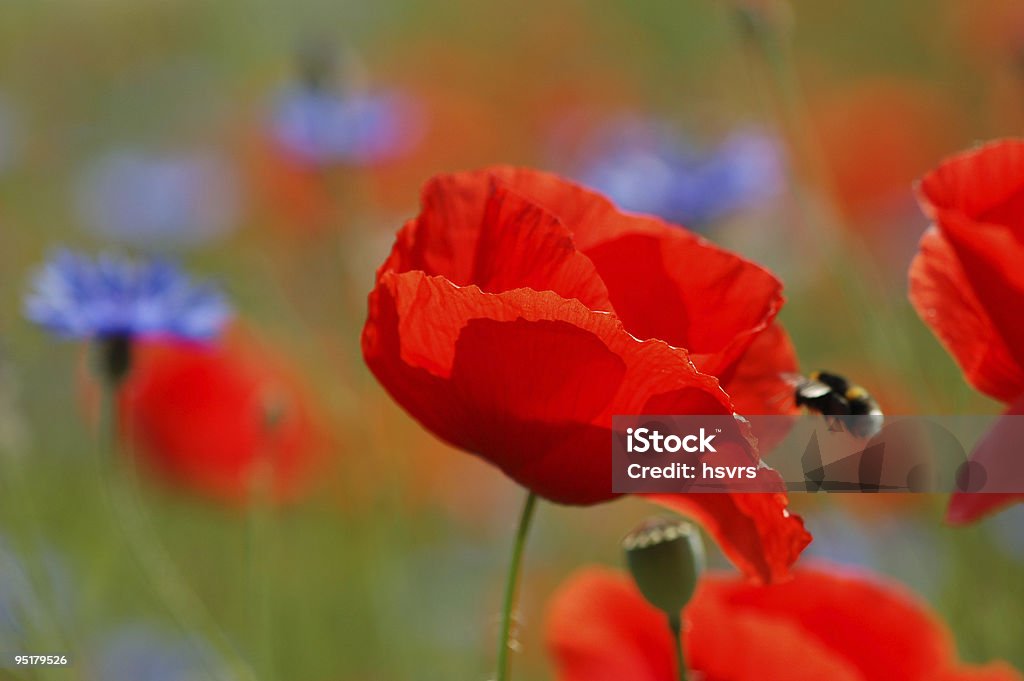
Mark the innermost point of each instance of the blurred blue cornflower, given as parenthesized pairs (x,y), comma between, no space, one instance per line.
(159,200)
(646,167)
(74,296)
(324,127)
(139,651)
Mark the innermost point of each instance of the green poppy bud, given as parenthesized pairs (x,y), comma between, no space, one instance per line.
(665,557)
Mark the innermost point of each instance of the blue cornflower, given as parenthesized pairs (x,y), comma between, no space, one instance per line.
(646,168)
(323,128)
(151,199)
(74,296)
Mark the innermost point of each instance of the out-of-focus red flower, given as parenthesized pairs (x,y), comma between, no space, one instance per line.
(822,624)
(877,136)
(967,284)
(228,421)
(518,312)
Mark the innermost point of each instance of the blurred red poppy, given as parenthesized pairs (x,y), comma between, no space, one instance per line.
(903,121)
(518,312)
(223,421)
(822,624)
(967,284)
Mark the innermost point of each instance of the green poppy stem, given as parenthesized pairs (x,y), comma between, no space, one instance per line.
(260,554)
(675,625)
(512,586)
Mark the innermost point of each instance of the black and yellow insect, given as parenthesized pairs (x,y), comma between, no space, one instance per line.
(835,397)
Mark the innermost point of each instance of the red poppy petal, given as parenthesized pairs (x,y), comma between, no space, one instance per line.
(999,456)
(758,382)
(990,256)
(599,628)
(527,380)
(818,626)
(726,643)
(942,296)
(965,509)
(755,531)
(663,281)
(997,671)
(977,201)
(473,229)
(985,184)
(591,217)
(651,267)
(523,246)
(678,287)
(879,628)
(442,239)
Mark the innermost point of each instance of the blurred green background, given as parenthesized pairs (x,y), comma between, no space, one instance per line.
(392,567)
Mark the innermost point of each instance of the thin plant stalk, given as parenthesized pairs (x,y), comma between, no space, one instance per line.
(128,510)
(675,625)
(258,557)
(32,553)
(770,56)
(512,587)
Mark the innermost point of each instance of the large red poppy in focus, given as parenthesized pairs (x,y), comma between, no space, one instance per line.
(967,284)
(227,421)
(819,625)
(518,312)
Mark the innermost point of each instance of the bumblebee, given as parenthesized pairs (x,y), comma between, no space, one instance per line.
(834,397)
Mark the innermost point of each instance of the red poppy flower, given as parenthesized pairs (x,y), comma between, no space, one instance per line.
(967,284)
(819,625)
(518,312)
(214,419)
